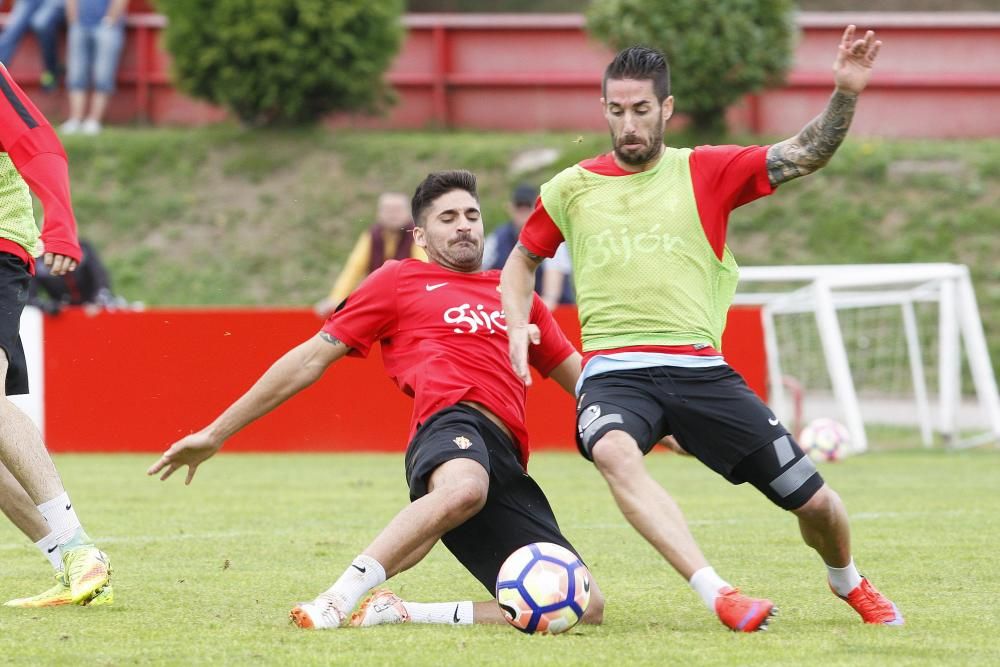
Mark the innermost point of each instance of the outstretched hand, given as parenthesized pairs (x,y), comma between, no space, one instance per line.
(855,58)
(190,451)
(519,338)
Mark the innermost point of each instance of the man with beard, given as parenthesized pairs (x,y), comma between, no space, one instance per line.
(646,228)
(444,343)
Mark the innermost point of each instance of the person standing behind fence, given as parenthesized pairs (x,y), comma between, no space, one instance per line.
(43,17)
(96,37)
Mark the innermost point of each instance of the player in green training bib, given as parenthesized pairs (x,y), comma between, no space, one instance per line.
(646,229)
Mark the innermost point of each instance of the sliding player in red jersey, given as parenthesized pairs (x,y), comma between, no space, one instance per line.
(444,342)
(31,493)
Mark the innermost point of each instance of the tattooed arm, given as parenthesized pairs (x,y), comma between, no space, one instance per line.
(296,370)
(816,143)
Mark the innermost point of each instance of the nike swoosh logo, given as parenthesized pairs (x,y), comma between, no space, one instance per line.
(53,548)
(773,421)
(431,288)
(362,570)
(69,507)
(455,618)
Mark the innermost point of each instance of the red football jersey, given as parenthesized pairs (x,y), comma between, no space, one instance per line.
(444,339)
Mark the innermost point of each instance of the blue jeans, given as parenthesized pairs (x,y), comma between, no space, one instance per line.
(46,23)
(18,22)
(92,56)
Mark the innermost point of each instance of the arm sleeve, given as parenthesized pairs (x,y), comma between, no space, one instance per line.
(39,157)
(725,177)
(554,346)
(369,314)
(540,234)
(354,269)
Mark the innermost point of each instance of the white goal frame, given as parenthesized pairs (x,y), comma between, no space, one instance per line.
(823,289)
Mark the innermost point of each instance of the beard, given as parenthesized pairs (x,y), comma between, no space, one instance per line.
(466,257)
(642,156)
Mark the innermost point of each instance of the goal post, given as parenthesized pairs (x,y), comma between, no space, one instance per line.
(892,313)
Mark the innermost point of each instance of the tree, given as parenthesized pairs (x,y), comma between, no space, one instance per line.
(284,61)
(718,51)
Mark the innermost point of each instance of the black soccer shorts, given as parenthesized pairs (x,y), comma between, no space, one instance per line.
(712,413)
(14,280)
(516,512)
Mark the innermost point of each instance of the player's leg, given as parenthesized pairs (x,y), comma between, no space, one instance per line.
(516,513)
(618,422)
(448,484)
(24,455)
(780,469)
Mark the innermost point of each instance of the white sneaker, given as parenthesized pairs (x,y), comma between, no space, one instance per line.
(381,607)
(317,615)
(72,126)
(90,127)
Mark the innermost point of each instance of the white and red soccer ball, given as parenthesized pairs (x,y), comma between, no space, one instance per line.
(825,440)
(543,588)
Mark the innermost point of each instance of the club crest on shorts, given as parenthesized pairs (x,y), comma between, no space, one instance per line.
(462,442)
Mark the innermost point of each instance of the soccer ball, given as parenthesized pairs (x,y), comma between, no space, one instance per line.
(543,587)
(825,440)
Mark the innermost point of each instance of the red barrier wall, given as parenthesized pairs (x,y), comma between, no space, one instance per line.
(542,72)
(123,381)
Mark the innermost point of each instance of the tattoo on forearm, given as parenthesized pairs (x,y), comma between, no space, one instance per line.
(537,259)
(332,340)
(813,147)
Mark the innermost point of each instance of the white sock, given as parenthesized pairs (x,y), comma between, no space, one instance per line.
(447,613)
(707,584)
(364,574)
(61,517)
(50,549)
(844,579)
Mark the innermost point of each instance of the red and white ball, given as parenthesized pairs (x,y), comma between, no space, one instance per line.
(825,439)
(543,588)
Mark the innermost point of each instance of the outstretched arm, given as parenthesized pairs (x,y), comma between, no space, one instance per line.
(816,143)
(290,374)
(517,282)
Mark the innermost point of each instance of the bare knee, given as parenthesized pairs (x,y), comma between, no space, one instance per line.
(823,503)
(616,455)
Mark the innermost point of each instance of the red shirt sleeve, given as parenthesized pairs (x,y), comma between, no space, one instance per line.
(540,234)
(35,150)
(369,313)
(725,177)
(554,347)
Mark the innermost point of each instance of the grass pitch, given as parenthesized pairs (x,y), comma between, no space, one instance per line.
(206,574)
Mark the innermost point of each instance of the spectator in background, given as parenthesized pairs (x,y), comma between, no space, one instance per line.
(44,18)
(89,285)
(96,36)
(391,237)
(550,283)
(557,279)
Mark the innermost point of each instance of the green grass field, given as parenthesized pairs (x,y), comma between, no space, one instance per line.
(206,574)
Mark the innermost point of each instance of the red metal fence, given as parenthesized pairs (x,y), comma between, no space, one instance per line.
(938,76)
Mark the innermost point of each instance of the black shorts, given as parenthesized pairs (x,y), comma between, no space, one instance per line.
(13,295)
(712,413)
(516,512)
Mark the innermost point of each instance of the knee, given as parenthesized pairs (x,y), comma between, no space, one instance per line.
(464,499)
(616,454)
(594,614)
(823,503)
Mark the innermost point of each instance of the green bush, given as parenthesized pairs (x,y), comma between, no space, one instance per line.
(284,61)
(718,51)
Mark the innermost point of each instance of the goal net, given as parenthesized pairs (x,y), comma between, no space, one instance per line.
(897,344)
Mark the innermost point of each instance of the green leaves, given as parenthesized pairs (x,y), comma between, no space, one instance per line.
(286,62)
